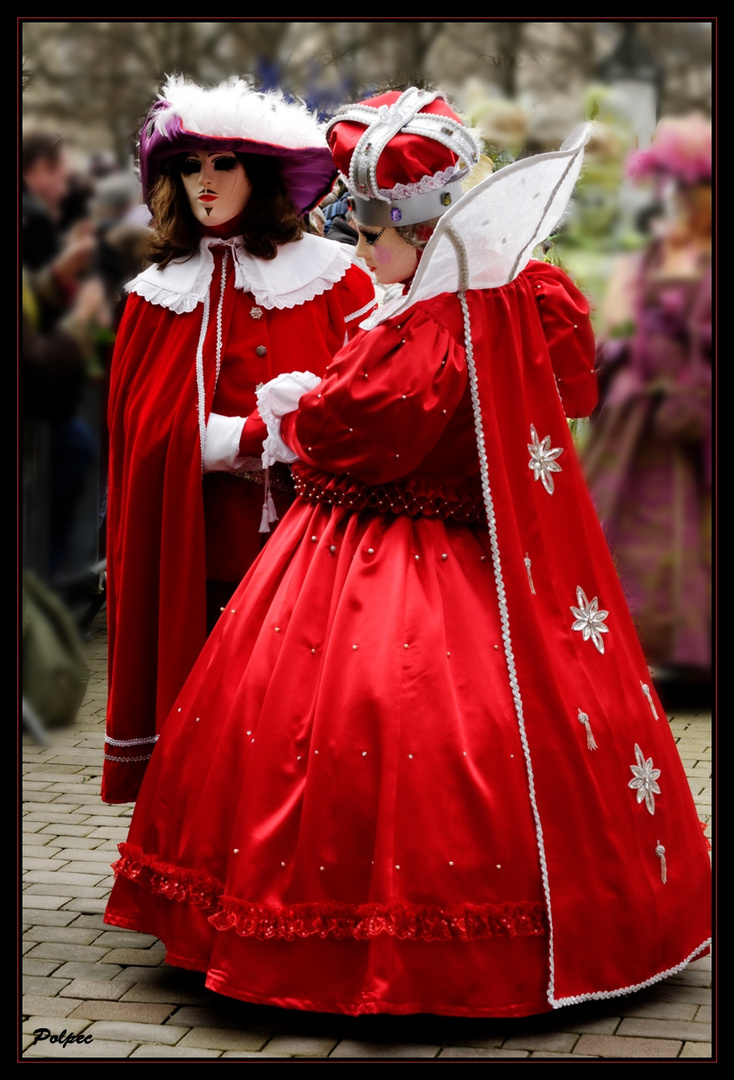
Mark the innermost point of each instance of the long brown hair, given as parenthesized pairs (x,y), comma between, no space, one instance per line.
(270,217)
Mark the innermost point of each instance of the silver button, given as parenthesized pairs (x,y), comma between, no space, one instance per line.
(261,351)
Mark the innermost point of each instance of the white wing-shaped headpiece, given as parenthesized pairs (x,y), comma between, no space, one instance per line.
(488,236)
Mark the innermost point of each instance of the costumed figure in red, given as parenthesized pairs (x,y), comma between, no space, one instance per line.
(235,292)
(419,765)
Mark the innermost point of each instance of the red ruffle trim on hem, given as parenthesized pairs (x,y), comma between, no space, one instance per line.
(287,922)
(454,505)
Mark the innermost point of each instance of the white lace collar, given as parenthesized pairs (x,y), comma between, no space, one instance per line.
(298,273)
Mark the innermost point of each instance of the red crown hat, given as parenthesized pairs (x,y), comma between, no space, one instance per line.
(402,155)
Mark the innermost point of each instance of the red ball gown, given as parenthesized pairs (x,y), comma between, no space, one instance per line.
(418,766)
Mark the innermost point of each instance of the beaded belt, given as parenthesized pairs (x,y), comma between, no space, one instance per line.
(325,488)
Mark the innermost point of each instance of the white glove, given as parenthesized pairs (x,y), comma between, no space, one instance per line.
(275,400)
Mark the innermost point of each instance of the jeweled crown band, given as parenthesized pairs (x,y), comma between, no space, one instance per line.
(430,204)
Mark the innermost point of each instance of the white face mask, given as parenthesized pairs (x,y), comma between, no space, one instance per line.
(216,184)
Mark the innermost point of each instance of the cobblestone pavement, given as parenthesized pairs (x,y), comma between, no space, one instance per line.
(84,977)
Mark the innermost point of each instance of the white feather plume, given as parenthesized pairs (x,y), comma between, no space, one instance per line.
(234,109)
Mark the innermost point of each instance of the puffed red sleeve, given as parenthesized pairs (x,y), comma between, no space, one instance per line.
(564,313)
(384,401)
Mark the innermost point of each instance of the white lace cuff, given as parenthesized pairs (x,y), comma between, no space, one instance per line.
(275,399)
(222,448)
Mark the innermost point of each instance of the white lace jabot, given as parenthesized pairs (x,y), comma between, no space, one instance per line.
(299,272)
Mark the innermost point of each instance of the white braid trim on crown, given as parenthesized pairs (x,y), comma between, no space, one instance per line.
(426,183)
(234,109)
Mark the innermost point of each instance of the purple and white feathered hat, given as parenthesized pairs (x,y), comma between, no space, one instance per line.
(233,116)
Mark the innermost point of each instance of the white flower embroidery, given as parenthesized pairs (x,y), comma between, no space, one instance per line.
(543,459)
(589,619)
(645,778)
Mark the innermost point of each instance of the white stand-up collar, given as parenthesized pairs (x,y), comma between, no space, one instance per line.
(299,272)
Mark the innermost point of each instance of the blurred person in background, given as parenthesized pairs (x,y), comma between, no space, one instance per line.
(648,458)
(63,307)
(235,285)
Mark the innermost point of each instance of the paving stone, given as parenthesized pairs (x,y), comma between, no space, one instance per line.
(544,1055)
(702,964)
(161,974)
(480,1052)
(49,773)
(96,1049)
(78,935)
(353,1048)
(78,892)
(140,957)
(96,989)
(101,856)
(41,917)
(616,1046)
(600,1025)
(47,903)
(59,877)
(476,1042)
(89,905)
(228,1018)
(63,950)
(46,986)
(660,1029)
(251,1054)
(165,1034)
(99,869)
(39,851)
(82,842)
(62,829)
(127,1011)
(126,939)
(703,1016)
(659,1010)
(110,832)
(302,1045)
(223,1038)
(174,1052)
(182,995)
(48,1006)
(561,1042)
(94,922)
(700,995)
(98,972)
(696,1050)
(55,1024)
(49,811)
(31,966)
(43,864)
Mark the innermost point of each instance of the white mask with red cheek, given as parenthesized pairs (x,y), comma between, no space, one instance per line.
(216,186)
(390,258)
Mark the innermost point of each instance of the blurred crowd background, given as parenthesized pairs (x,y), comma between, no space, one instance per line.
(636,239)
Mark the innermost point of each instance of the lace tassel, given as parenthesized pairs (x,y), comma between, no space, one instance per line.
(590,740)
(648,695)
(660,852)
(528,564)
(269,514)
